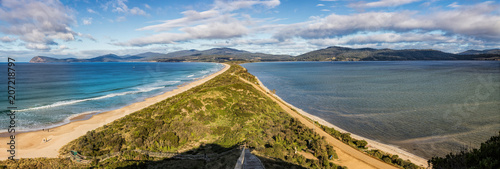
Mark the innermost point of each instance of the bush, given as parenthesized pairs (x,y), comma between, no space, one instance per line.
(224,112)
(486,157)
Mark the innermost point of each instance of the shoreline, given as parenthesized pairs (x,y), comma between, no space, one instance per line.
(30,144)
(391,149)
(88,114)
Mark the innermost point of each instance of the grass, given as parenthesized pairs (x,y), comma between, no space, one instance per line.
(215,117)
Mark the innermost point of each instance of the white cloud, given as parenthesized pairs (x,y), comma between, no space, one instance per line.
(393,37)
(320,5)
(325,10)
(7,39)
(381,3)
(37,23)
(247,42)
(215,23)
(137,11)
(428,3)
(121,19)
(119,6)
(477,21)
(147,6)
(91,11)
(227,6)
(190,17)
(87,21)
(225,26)
(454,5)
(37,46)
(207,31)
(61,47)
(216,30)
(480,21)
(88,36)
(339,25)
(257,41)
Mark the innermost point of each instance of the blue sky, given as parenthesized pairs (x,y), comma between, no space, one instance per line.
(90,28)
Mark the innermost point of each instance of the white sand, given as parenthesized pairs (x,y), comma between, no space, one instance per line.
(31,144)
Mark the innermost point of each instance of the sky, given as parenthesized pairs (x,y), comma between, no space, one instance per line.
(90,28)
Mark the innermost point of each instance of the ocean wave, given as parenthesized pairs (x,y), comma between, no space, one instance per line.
(68,119)
(156,85)
(191,75)
(204,72)
(69,102)
(36,126)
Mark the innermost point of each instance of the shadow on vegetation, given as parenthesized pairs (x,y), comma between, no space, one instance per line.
(278,163)
(206,156)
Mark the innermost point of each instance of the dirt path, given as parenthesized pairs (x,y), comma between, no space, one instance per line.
(348,156)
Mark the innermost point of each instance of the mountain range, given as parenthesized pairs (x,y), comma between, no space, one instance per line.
(333,53)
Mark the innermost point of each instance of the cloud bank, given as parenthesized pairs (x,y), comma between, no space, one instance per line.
(45,26)
(477,23)
(37,23)
(216,23)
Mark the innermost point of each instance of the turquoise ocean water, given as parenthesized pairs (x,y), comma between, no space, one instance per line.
(425,107)
(49,94)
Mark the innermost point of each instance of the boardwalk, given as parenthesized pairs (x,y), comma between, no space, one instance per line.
(248,161)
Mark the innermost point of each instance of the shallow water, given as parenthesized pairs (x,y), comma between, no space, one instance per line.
(50,94)
(425,107)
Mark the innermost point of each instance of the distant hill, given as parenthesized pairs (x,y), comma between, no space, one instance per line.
(45,59)
(478,52)
(148,56)
(104,58)
(210,55)
(221,55)
(336,53)
(333,53)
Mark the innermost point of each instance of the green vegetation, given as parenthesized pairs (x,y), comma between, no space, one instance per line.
(210,121)
(222,55)
(361,145)
(333,53)
(392,159)
(41,163)
(344,137)
(205,127)
(486,157)
(336,53)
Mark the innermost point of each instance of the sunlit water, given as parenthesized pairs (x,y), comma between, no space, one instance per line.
(426,107)
(49,94)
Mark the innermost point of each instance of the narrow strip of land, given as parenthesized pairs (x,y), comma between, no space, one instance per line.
(35,144)
(348,156)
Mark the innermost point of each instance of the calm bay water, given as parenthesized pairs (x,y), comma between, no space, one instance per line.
(49,94)
(425,107)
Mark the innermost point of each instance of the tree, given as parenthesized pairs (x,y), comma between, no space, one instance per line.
(361,143)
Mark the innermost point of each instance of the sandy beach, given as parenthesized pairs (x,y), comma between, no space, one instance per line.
(371,143)
(32,145)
